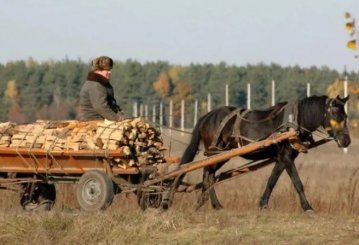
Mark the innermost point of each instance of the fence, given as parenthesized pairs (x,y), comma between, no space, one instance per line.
(163,113)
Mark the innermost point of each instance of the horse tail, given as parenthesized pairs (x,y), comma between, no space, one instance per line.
(192,148)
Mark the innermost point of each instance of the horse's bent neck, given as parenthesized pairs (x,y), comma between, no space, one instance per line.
(311,113)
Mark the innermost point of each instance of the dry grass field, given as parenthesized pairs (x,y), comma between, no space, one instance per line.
(330,178)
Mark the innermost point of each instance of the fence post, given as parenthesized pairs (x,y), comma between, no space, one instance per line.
(161,114)
(141,110)
(248,96)
(273,92)
(345,150)
(209,102)
(170,119)
(182,117)
(308,89)
(346,92)
(146,112)
(154,114)
(135,114)
(195,112)
(226,95)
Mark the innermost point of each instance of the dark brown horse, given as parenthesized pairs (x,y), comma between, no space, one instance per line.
(219,130)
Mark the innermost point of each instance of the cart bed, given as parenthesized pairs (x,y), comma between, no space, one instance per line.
(24,160)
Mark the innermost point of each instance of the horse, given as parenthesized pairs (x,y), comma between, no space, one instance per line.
(230,127)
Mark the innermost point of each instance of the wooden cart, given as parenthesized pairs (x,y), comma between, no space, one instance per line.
(34,173)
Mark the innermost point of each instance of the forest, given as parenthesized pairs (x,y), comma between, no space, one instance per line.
(32,90)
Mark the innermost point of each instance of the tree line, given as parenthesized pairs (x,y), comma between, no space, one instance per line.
(32,90)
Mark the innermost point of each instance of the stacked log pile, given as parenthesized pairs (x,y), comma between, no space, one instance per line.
(140,142)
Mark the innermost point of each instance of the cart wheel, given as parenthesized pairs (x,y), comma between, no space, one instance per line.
(149,199)
(42,198)
(95,191)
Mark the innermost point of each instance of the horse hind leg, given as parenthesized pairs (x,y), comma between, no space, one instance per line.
(204,195)
(208,191)
(212,192)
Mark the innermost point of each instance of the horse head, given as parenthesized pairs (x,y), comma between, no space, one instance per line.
(335,121)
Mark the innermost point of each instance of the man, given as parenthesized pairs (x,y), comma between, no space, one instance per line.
(97,99)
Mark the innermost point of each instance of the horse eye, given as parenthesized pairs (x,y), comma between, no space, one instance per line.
(334,109)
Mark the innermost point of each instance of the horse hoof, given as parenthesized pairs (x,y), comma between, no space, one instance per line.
(182,188)
(264,207)
(309,212)
(218,207)
(197,206)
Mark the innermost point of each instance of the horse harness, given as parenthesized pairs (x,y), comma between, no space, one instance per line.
(290,120)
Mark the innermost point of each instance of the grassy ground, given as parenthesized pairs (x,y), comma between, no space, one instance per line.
(173,227)
(330,179)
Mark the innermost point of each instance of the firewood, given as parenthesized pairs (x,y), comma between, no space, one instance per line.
(139,142)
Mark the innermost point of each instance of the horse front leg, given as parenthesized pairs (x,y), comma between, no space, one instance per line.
(272,181)
(293,173)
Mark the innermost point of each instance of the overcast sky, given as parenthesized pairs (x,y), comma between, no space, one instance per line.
(302,32)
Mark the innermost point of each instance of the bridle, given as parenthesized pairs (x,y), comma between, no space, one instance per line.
(331,110)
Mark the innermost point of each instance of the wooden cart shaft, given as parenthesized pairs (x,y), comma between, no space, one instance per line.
(226,155)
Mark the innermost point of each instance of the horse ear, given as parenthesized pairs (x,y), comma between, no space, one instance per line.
(346,99)
(342,100)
